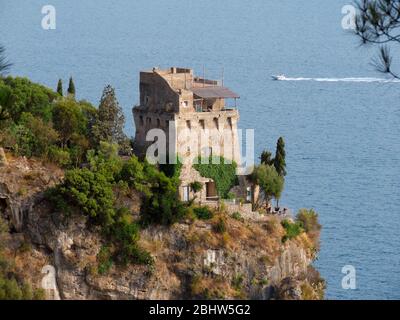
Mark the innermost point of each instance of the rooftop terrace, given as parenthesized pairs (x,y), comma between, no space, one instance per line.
(184,79)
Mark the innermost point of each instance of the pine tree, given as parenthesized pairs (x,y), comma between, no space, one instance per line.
(60,87)
(71,87)
(110,122)
(279,161)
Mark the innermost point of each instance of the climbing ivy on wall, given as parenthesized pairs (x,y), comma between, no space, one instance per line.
(221,171)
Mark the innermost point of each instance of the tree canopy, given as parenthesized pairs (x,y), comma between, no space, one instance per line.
(36,121)
(266,157)
(269,181)
(110,122)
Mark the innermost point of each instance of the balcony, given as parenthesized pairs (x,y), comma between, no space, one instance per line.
(199,108)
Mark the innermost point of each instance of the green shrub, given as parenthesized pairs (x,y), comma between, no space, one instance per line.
(292,229)
(20,95)
(12,285)
(172,170)
(221,171)
(59,201)
(220,226)
(162,204)
(237,282)
(230,196)
(104,259)
(59,156)
(136,174)
(92,191)
(24,140)
(196,186)
(43,136)
(237,216)
(308,220)
(203,213)
(162,207)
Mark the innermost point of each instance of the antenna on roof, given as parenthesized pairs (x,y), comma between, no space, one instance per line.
(223,71)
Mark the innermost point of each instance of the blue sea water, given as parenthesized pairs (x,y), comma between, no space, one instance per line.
(343,147)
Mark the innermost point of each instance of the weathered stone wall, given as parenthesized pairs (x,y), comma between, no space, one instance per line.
(198,131)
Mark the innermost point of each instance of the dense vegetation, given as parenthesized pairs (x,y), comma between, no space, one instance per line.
(203,213)
(223,173)
(36,121)
(306,221)
(293,229)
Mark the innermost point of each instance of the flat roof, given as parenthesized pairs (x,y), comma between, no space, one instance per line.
(214,92)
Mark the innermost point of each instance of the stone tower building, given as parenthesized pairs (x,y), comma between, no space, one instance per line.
(193,114)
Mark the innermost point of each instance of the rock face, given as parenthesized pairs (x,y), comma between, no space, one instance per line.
(3,158)
(22,184)
(192,260)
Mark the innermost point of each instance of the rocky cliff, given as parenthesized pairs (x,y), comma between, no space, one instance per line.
(193,259)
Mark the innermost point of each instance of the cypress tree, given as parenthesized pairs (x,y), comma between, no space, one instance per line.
(279,161)
(71,87)
(60,87)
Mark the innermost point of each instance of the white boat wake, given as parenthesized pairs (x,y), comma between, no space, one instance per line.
(380,80)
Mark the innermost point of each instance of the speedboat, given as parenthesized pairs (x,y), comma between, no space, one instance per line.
(278,77)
